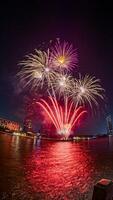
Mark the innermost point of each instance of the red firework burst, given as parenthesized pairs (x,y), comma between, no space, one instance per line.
(64,119)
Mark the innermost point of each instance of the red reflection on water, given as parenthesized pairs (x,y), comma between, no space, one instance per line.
(59,168)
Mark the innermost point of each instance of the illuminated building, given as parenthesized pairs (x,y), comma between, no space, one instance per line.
(10,125)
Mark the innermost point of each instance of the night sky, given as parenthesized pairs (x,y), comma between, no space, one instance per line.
(24,26)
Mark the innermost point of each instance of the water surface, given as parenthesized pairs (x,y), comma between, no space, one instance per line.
(47,170)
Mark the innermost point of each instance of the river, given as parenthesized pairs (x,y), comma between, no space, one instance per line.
(46,170)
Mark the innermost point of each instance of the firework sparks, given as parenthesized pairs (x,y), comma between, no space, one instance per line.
(86,91)
(36,70)
(64,57)
(50,70)
(62,84)
(63,119)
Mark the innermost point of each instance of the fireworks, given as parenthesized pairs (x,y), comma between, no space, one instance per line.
(64,57)
(62,84)
(36,70)
(50,70)
(87,90)
(63,119)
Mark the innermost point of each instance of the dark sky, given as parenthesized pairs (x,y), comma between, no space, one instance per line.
(24,26)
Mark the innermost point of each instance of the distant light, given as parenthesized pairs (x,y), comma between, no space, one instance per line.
(61,59)
(37,74)
(63,78)
(82,89)
(47,69)
(62,82)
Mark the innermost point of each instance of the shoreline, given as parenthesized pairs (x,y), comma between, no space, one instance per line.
(76,138)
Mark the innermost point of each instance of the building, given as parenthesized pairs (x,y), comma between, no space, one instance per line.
(6,124)
(27,128)
(27,125)
(109,125)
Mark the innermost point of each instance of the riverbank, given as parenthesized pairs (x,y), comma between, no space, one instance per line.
(18,134)
(76,138)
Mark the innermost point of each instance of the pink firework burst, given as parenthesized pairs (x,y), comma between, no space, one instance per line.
(64,119)
(64,57)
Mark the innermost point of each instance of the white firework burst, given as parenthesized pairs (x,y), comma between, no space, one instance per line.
(62,84)
(36,70)
(87,90)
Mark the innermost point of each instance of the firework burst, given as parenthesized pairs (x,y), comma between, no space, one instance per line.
(62,84)
(63,119)
(50,70)
(87,90)
(64,57)
(36,70)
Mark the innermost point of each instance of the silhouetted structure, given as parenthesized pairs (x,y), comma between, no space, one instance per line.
(103,190)
(109,125)
(27,125)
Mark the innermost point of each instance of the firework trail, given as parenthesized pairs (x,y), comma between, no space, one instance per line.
(63,119)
